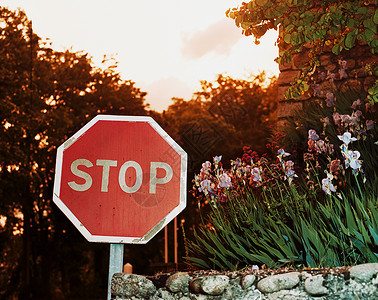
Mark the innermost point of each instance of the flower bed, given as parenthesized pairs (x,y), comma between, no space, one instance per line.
(310,201)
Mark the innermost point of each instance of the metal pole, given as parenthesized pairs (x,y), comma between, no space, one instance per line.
(115,263)
(175,243)
(166,244)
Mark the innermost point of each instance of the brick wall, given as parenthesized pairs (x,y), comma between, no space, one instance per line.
(339,72)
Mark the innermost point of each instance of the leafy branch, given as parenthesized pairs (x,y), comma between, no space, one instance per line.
(315,25)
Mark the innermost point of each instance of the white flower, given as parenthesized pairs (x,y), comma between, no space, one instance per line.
(205,186)
(347,138)
(256,174)
(353,157)
(327,185)
(225,181)
(282,153)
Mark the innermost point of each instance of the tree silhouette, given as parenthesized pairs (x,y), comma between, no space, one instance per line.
(220,119)
(45,96)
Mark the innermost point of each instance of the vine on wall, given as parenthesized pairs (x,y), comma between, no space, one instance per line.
(315,25)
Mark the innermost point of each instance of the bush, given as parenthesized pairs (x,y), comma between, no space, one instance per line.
(319,211)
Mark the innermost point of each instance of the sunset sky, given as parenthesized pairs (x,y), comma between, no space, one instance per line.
(165,46)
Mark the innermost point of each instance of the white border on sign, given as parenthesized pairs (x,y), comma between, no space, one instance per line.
(117,239)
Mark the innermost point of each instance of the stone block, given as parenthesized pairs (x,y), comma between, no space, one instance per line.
(214,285)
(351,63)
(327,86)
(178,282)
(248,281)
(358,73)
(362,61)
(288,108)
(350,85)
(286,77)
(132,285)
(278,282)
(368,82)
(300,59)
(281,92)
(326,60)
(314,286)
(286,66)
(364,272)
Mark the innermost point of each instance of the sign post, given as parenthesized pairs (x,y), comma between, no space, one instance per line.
(120,179)
(115,263)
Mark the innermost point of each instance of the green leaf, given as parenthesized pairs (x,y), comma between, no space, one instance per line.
(368,35)
(290,27)
(287,38)
(294,38)
(217,263)
(369,23)
(263,259)
(362,10)
(375,17)
(351,23)
(334,29)
(374,234)
(351,224)
(262,2)
(199,262)
(305,86)
(350,39)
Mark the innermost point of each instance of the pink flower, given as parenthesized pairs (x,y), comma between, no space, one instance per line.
(343,74)
(334,166)
(225,181)
(330,76)
(369,124)
(312,135)
(205,186)
(356,104)
(330,99)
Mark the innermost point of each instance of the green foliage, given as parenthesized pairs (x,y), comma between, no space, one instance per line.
(294,222)
(246,231)
(355,221)
(338,24)
(242,232)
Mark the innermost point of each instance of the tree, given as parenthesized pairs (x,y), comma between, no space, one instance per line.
(221,118)
(45,96)
(246,107)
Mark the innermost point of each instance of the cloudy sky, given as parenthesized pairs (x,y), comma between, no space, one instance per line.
(165,46)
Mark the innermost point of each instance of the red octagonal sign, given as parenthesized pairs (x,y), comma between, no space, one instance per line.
(120,179)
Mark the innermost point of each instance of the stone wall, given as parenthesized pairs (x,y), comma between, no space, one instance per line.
(336,72)
(357,282)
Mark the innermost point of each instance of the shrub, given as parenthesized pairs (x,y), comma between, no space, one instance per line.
(320,211)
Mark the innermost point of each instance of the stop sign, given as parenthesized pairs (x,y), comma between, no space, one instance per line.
(120,179)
